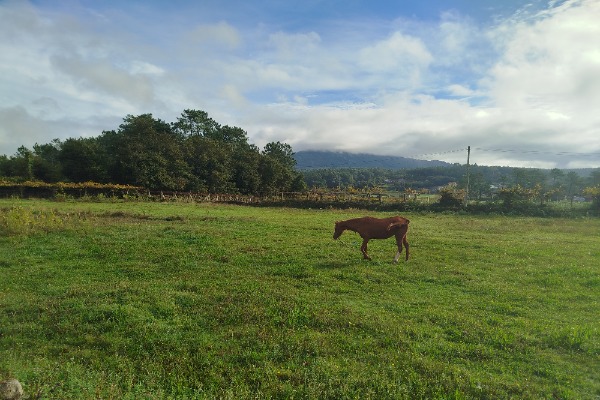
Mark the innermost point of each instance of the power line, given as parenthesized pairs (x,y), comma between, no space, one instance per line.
(560,153)
(537,152)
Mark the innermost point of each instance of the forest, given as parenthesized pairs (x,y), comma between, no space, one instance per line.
(194,153)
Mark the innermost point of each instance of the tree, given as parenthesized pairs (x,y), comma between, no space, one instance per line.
(277,169)
(81,160)
(572,185)
(196,123)
(46,163)
(594,193)
(516,195)
(478,187)
(232,135)
(529,178)
(4,166)
(21,164)
(281,152)
(273,174)
(557,176)
(109,144)
(245,169)
(209,164)
(150,154)
(595,177)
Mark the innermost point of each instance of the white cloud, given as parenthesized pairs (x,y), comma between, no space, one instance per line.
(399,57)
(553,62)
(215,36)
(460,90)
(103,77)
(144,68)
(293,47)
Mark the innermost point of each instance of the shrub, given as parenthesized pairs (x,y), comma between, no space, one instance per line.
(594,193)
(451,198)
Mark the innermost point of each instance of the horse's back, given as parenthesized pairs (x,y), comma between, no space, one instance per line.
(399,220)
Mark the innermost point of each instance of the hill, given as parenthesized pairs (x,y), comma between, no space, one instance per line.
(312,159)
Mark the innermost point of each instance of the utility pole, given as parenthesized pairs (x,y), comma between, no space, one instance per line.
(467,189)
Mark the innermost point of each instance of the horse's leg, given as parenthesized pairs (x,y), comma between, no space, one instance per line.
(401,239)
(399,244)
(363,248)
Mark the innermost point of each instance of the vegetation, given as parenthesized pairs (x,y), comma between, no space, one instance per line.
(484,182)
(594,193)
(62,190)
(490,189)
(195,153)
(180,300)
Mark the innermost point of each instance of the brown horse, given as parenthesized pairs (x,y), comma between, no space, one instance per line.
(376,228)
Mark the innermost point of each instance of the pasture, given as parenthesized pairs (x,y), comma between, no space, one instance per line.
(176,300)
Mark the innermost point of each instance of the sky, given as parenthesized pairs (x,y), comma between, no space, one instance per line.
(517,81)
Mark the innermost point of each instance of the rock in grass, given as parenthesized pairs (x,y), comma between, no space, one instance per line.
(10,390)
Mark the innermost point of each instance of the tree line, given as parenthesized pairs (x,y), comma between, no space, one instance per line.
(483,181)
(194,153)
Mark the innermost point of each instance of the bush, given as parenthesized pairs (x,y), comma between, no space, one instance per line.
(594,193)
(451,198)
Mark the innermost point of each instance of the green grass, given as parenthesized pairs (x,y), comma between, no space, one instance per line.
(151,300)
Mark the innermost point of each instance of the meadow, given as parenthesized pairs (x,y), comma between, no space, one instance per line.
(141,300)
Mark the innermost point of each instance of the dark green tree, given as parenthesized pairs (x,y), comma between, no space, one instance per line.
(21,164)
(81,160)
(245,165)
(274,176)
(4,166)
(209,163)
(277,169)
(46,163)
(232,135)
(150,154)
(281,152)
(196,123)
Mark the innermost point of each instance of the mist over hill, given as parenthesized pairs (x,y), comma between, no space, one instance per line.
(314,159)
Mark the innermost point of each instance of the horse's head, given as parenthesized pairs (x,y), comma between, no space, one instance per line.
(339,229)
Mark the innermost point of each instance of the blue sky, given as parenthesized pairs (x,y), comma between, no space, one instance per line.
(517,81)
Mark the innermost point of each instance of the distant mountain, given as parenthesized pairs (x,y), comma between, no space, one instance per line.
(311,159)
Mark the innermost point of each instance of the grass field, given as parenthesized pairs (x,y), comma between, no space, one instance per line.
(184,301)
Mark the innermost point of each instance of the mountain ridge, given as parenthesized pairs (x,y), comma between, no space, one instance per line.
(319,159)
